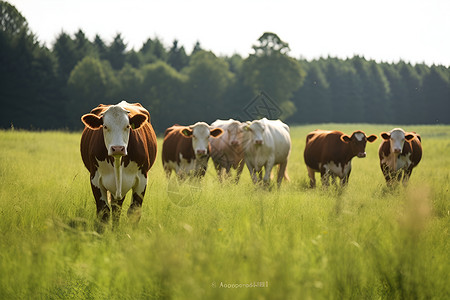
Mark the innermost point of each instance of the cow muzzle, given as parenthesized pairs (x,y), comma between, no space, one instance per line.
(397,151)
(361,154)
(200,152)
(118,151)
(258,142)
(234,143)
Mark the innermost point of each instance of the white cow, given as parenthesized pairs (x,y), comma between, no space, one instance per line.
(266,143)
(226,150)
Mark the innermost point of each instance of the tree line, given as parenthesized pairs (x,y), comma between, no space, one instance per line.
(51,87)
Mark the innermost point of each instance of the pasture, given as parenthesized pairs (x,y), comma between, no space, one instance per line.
(212,240)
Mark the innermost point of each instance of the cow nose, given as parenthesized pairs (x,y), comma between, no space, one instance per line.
(201,152)
(361,154)
(258,142)
(118,150)
(234,143)
(397,150)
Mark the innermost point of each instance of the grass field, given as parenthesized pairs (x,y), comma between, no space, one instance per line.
(225,241)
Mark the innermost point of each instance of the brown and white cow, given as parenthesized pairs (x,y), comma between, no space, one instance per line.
(399,153)
(226,150)
(118,147)
(186,149)
(331,154)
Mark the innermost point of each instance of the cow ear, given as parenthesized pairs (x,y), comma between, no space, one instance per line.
(216,132)
(186,132)
(409,137)
(372,138)
(138,120)
(385,136)
(345,138)
(92,121)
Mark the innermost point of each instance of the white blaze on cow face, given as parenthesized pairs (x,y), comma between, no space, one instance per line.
(200,133)
(256,128)
(357,142)
(234,134)
(397,139)
(360,136)
(116,130)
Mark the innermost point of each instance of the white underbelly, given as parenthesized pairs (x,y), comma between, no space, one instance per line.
(399,163)
(105,177)
(338,169)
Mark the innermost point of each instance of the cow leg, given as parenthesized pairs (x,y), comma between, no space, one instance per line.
(268,168)
(312,177)
(387,174)
(406,176)
(252,171)
(134,212)
(344,180)
(218,168)
(325,176)
(116,206)
(167,170)
(227,171)
(333,178)
(101,200)
(281,172)
(239,171)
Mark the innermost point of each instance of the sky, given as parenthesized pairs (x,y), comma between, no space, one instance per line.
(415,31)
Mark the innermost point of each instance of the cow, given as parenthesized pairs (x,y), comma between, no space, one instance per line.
(186,149)
(226,150)
(118,148)
(331,154)
(266,143)
(399,153)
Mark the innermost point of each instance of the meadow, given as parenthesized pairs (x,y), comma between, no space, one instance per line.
(212,240)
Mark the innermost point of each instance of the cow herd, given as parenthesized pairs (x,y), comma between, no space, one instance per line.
(118,147)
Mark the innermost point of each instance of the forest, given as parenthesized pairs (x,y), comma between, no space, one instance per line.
(45,87)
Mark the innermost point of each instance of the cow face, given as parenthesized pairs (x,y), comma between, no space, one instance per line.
(116,126)
(256,129)
(234,132)
(357,142)
(397,138)
(200,133)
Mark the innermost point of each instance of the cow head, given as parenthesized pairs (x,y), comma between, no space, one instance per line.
(116,125)
(357,142)
(200,133)
(256,129)
(396,137)
(234,132)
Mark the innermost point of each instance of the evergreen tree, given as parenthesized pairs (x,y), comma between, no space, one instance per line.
(116,53)
(66,54)
(313,99)
(28,85)
(177,57)
(436,91)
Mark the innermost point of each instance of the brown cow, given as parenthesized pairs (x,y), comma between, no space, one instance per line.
(118,147)
(399,153)
(331,154)
(186,149)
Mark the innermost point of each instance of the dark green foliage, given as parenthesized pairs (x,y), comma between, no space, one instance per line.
(77,74)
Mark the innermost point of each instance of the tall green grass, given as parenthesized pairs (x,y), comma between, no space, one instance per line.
(210,240)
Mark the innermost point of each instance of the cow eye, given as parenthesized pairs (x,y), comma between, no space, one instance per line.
(105,127)
(128,126)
